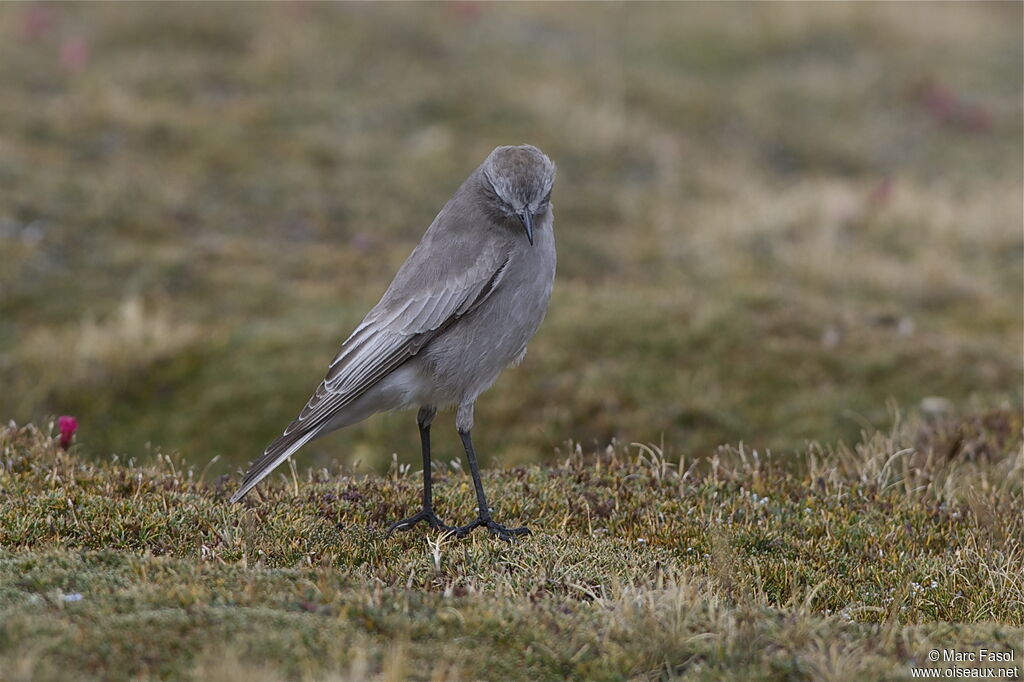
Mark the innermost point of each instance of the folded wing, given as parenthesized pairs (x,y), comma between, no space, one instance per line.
(417,307)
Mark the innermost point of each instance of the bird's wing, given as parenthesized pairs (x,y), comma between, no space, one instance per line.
(390,335)
(416,308)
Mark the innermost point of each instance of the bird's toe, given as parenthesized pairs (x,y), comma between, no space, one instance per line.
(426,515)
(506,533)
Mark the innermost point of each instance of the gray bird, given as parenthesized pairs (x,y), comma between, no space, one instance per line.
(460,310)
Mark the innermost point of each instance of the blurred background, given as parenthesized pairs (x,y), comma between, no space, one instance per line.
(775,222)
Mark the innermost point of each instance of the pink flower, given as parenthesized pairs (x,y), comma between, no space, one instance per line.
(466,11)
(950,109)
(74,53)
(37,21)
(67,430)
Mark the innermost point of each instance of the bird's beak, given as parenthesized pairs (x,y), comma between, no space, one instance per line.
(527,223)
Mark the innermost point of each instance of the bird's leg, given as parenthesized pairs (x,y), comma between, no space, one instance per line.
(424,419)
(484,517)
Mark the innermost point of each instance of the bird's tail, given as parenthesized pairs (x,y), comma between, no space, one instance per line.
(277,452)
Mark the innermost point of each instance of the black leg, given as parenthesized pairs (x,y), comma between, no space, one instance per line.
(481,498)
(424,419)
(428,499)
(484,517)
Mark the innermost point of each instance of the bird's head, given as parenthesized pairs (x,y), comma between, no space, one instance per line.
(518,183)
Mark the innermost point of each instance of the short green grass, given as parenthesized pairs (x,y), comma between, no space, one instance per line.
(640,566)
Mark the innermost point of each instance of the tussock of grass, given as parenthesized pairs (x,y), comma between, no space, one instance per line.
(852,565)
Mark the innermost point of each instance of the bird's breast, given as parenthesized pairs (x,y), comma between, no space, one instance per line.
(467,358)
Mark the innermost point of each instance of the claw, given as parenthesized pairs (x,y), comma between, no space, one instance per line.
(427,515)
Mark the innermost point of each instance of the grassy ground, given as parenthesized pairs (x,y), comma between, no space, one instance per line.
(854,568)
(771,219)
(777,223)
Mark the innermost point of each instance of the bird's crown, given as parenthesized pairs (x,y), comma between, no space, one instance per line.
(521,176)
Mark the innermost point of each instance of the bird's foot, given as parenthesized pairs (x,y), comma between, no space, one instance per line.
(426,514)
(496,529)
